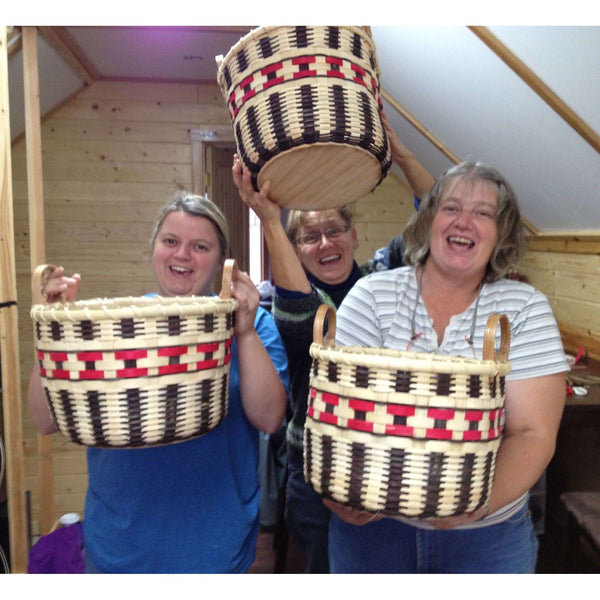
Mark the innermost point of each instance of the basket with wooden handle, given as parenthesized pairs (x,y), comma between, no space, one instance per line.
(305,105)
(135,371)
(404,433)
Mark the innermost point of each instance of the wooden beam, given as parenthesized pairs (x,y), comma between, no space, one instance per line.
(68,48)
(13,40)
(438,143)
(37,243)
(538,86)
(9,338)
(582,242)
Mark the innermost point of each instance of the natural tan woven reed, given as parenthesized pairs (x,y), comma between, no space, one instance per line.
(305,105)
(408,434)
(138,371)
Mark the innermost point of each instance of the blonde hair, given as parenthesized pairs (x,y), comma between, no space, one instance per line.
(510,247)
(197,206)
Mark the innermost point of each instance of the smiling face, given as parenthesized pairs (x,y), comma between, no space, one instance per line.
(330,259)
(464,230)
(186,255)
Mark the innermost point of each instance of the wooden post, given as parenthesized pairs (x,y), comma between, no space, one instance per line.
(9,334)
(37,246)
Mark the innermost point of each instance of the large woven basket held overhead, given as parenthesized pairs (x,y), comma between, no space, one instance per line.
(305,105)
(138,371)
(405,433)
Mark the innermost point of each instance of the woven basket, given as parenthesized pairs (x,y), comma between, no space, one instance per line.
(135,372)
(305,105)
(404,433)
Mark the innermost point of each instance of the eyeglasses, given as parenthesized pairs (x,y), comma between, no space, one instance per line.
(331,233)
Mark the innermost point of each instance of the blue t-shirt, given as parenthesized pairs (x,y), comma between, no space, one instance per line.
(189,507)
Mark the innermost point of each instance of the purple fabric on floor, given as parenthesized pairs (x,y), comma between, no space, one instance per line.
(58,552)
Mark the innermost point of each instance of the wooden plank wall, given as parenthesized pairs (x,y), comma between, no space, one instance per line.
(111,157)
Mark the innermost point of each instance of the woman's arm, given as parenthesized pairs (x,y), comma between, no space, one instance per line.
(262,390)
(418,178)
(288,272)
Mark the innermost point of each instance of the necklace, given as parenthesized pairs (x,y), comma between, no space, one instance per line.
(413,327)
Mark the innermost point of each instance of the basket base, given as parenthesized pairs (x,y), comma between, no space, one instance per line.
(320,176)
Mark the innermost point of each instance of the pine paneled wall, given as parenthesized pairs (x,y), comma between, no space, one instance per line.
(112,156)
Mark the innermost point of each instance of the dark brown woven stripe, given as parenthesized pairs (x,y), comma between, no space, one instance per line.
(397,460)
(485,492)
(242,61)
(134,417)
(171,412)
(367,140)
(277,110)
(265,48)
(474,386)
(357,48)
(301,36)
(443,384)
(204,392)
(87,330)
(362,375)
(307,105)
(357,472)
(308,456)
(326,465)
(434,477)
(402,383)
(333,37)
(332,371)
(95,401)
(338,102)
(56,331)
(67,409)
(466,483)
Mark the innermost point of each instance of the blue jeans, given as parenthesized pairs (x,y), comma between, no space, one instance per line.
(389,546)
(307,519)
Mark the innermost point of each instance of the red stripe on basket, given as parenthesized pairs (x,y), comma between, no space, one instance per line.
(43,372)
(401,410)
(270,68)
(438,434)
(247,81)
(304,60)
(364,405)
(40,355)
(89,356)
(169,369)
(130,354)
(401,430)
(474,415)
(358,69)
(313,393)
(127,373)
(207,347)
(329,398)
(444,414)
(360,425)
(471,436)
(60,374)
(91,374)
(326,417)
(249,95)
(207,364)
(334,60)
(337,74)
(361,81)
(301,74)
(58,356)
(172,351)
(272,82)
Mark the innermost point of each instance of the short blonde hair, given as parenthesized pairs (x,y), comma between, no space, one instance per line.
(197,206)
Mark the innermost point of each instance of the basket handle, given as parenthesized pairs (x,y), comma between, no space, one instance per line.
(489,338)
(40,277)
(229,266)
(319,325)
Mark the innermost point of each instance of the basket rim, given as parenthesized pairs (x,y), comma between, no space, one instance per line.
(398,360)
(113,309)
(265,29)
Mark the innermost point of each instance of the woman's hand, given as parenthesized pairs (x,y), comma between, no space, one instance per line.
(57,287)
(248,297)
(259,202)
(351,515)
